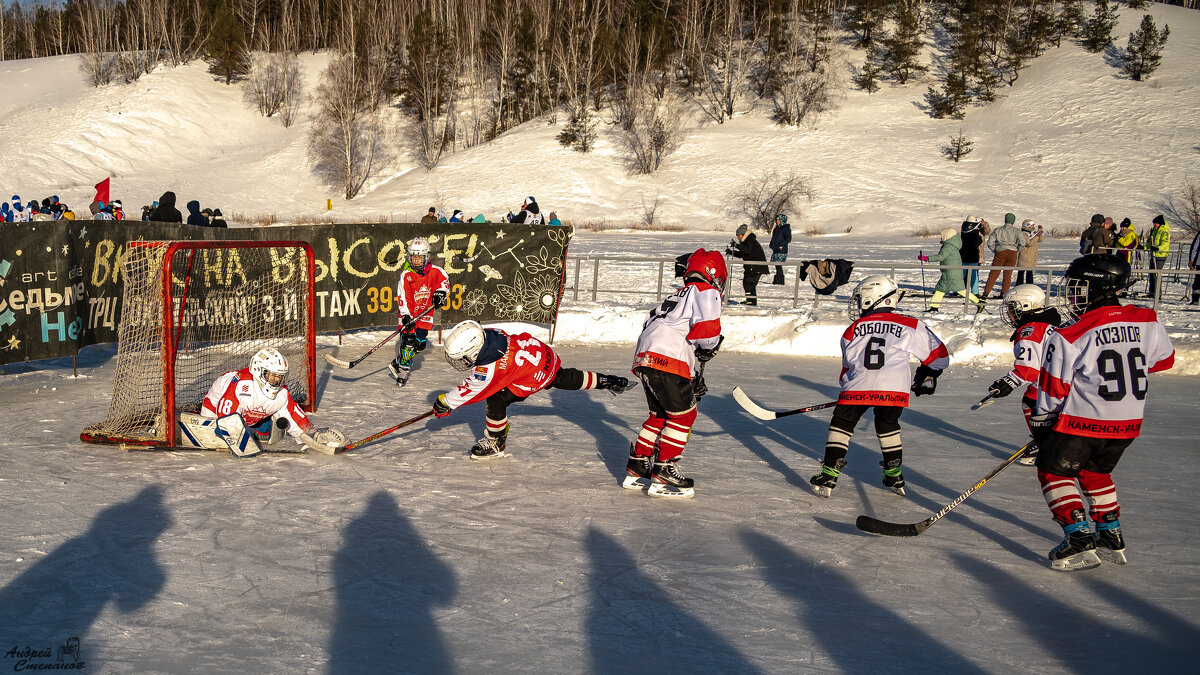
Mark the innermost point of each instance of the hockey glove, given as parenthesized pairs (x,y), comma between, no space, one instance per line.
(615,384)
(925,380)
(440,407)
(699,387)
(439,298)
(1041,424)
(705,355)
(1003,386)
(406,322)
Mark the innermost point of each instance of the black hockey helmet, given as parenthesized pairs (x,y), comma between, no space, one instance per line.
(1093,281)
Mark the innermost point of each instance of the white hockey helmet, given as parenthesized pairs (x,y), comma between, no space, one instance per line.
(1022,300)
(948,232)
(418,254)
(877,291)
(463,345)
(269,369)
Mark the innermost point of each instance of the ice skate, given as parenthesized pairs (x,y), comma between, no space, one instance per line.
(1078,549)
(666,481)
(1110,545)
(893,479)
(637,471)
(401,366)
(824,482)
(487,448)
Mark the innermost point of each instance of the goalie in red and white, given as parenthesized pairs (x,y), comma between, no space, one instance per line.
(253,406)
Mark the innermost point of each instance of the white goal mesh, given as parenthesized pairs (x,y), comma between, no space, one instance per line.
(225,301)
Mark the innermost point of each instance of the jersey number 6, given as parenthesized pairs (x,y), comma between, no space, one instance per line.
(873,357)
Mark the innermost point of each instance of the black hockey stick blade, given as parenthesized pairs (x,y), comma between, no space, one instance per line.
(875,526)
(985,401)
(763,414)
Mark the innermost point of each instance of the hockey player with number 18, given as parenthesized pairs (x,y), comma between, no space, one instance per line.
(1091,397)
(422,285)
(875,351)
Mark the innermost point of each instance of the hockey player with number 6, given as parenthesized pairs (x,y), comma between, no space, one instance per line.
(875,352)
(504,369)
(677,339)
(422,285)
(1091,397)
(253,405)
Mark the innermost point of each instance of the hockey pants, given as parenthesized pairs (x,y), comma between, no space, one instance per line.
(887,428)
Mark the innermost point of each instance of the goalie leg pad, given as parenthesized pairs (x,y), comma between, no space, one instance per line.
(198,431)
(232,430)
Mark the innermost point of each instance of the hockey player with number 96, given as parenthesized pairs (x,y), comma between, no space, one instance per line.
(1091,396)
(875,352)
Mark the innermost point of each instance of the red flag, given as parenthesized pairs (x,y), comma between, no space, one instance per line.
(102,191)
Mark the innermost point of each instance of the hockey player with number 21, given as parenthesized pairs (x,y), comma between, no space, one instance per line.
(1091,397)
(677,339)
(875,351)
(251,405)
(506,368)
(422,285)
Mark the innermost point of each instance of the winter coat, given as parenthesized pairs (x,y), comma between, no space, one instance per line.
(826,275)
(1160,240)
(218,220)
(1103,238)
(1007,237)
(972,242)
(479,218)
(1085,239)
(529,215)
(166,212)
(951,281)
(1128,240)
(781,236)
(1028,253)
(5,213)
(749,249)
(194,215)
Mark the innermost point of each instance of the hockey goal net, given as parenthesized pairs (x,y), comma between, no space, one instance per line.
(193,310)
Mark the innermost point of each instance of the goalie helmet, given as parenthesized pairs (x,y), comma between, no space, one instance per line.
(418,255)
(269,368)
(709,267)
(872,294)
(1021,301)
(463,345)
(1093,281)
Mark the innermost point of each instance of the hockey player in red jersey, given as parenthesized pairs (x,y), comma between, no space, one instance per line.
(875,353)
(1091,397)
(422,285)
(1025,310)
(506,368)
(259,397)
(677,339)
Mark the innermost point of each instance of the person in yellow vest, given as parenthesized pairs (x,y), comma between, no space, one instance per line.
(1159,245)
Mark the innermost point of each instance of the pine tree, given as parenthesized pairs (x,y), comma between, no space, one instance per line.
(1143,54)
(225,50)
(959,146)
(902,49)
(1097,32)
(953,98)
(867,77)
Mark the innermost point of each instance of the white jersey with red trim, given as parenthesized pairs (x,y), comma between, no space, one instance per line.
(686,319)
(875,352)
(414,292)
(1094,372)
(237,392)
(527,367)
(1029,343)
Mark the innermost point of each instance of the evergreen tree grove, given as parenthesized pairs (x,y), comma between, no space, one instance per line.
(226,52)
(1143,54)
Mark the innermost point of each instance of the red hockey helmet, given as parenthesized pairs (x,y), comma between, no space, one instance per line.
(709,267)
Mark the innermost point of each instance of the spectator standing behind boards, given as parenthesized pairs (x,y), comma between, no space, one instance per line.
(1127,239)
(6,213)
(1194,263)
(1031,236)
(98,212)
(530,213)
(974,232)
(1004,243)
(747,248)
(218,219)
(781,236)
(430,216)
(1159,246)
(1105,237)
(19,213)
(194,215)
(554,220)
(951,280)
(1085,239)
(118,209)
(166,212)
(457,216)
(146,210)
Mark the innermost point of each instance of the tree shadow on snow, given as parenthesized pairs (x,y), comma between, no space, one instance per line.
(56,601)
(635,626)
(848,625)
(388,582)
(1077,639)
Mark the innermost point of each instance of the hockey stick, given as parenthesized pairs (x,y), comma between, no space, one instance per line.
(875,526)
(385,432)
(764,414)
(924,294)
(985,401)
(334,361)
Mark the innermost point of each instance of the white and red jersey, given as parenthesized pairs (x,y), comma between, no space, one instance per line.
(686,319)
(875,352)
(237,392)
(414,292)
(1029,343)
(1094,372)
(527,367)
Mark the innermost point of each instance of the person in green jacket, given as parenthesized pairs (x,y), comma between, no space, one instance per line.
(1159,245)
(951,280)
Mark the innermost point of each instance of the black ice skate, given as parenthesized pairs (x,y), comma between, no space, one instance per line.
(1110,545)
(824,482)
(893,479)
(666,481)
(637,471)
(1030,456)
(1078,549)
(401,366)
(490,446)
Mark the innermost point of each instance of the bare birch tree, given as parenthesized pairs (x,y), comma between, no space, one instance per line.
(347,139)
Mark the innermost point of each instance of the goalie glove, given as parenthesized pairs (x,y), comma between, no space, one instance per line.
(1003,386)
(925,380)
(705,355)
(440,407)
(439,298)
